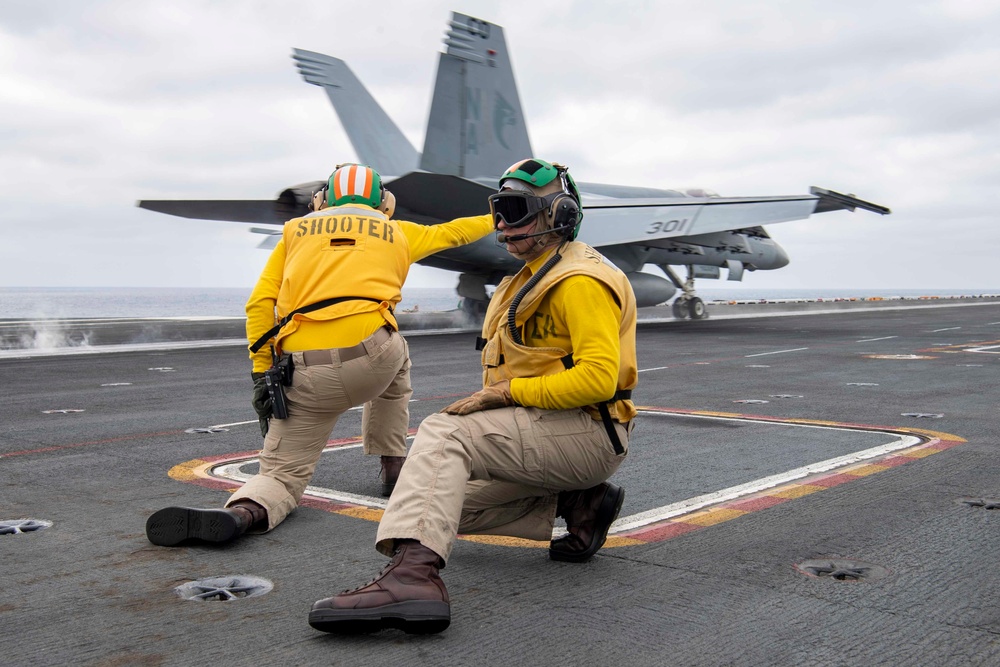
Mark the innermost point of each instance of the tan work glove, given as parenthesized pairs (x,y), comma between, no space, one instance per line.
(489,398)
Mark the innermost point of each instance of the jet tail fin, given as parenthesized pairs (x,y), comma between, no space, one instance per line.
(377,140)
(476,126)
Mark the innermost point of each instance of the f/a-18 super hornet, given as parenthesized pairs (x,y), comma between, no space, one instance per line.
(476,129)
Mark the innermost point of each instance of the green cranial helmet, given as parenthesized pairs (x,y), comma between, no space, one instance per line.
(543,177)
(536,173)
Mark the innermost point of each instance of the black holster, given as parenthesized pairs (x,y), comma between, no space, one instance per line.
(277,377)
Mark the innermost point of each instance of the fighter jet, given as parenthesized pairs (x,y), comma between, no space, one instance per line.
(476,129)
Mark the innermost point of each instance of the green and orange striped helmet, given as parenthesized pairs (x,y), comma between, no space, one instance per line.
(354,184)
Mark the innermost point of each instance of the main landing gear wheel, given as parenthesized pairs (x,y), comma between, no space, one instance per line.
(680,309)
(692,307)
(696,309)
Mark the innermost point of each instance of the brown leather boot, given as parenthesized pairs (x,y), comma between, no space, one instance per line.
(407,594)
(391,465)
(173,525)
(589,514)
(257,513)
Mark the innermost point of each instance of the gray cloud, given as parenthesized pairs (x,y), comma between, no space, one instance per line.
(108,102)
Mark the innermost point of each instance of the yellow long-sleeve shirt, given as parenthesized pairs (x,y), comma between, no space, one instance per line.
(344,327)
(578,314)
(587,313)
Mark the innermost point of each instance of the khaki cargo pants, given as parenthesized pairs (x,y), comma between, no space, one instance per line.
(319,394)
(495,472)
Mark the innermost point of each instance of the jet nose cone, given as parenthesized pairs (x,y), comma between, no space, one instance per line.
(780,257)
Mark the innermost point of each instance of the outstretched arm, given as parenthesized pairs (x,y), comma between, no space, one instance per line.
(426,240)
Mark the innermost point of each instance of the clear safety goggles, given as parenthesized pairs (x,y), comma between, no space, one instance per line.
(517,209)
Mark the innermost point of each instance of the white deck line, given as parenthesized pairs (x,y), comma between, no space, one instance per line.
(232,471)
(764,354)
(724,495)
(29,353)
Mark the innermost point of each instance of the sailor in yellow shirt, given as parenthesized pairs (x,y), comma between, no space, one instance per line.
(325,302)
(542,437)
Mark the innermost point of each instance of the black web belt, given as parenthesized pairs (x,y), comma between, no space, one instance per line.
(306,309)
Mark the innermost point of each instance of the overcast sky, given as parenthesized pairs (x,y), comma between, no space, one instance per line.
(105,103)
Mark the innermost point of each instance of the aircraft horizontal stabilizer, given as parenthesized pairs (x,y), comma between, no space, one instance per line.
(439,196)
(834,201)
(231,210)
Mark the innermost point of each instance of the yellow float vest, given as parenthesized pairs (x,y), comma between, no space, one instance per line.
(504,359)
(342,251)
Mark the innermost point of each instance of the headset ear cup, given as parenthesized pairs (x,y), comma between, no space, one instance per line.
(565,212)
(388,205)
(318,200)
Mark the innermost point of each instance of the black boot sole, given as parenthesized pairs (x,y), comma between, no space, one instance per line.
(173,525)
(611,505)
(416,617)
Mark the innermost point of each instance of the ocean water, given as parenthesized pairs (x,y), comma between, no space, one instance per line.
(88,302)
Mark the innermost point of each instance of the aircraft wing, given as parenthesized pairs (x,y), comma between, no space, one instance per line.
(834,201)
(613,221)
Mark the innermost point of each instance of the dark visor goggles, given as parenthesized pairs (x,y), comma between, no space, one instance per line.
(516,208)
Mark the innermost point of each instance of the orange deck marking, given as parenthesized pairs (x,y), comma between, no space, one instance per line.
(203,472)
